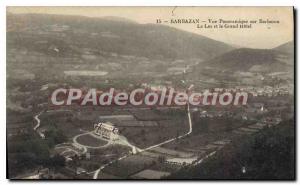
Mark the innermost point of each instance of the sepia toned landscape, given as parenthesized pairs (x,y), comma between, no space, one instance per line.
(52,50)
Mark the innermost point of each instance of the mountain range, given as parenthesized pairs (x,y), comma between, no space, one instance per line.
(71,35)
(246,59)
(111,34)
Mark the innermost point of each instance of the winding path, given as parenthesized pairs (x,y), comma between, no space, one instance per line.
(35,128)
(86,146)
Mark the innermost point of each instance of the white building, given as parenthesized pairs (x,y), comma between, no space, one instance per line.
(106,130)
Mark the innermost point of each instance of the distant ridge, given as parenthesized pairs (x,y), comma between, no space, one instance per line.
(127,37)
(286,47)
(246,59)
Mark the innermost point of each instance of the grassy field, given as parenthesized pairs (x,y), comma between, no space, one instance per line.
(89,140)
(130,166)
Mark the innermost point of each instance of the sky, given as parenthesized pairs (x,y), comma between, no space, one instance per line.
(264,36)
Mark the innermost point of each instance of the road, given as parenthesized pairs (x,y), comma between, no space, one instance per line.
(96,173)
(173,139)
(135,150)
(84,147)
(36,117)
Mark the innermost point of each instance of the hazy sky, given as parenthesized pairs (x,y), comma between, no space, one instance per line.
(260,36)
